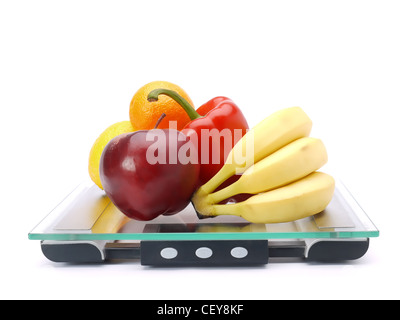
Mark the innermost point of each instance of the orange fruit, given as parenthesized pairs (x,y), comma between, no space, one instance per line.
(144,114)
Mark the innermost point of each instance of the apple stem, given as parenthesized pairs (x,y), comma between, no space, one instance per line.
(159,120)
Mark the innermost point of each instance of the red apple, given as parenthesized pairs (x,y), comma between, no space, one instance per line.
(149,173)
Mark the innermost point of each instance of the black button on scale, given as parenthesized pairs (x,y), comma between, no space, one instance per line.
(204,252)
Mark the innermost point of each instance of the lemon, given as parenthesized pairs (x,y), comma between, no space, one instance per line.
(97,149)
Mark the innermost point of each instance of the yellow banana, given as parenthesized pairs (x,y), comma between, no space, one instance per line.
(271,134)
(292,162)
(297,200)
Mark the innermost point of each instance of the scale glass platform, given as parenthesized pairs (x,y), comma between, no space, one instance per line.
(87,227)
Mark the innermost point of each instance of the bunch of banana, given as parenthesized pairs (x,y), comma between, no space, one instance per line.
(278,164)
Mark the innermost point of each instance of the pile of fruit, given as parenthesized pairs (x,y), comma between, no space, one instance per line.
(168,154)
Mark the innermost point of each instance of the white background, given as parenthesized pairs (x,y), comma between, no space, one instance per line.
(68,69)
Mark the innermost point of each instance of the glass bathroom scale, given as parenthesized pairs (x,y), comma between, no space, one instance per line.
(86,227)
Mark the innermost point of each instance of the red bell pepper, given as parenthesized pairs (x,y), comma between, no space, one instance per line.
(215,127)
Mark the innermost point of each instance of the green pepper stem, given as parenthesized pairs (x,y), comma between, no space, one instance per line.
(153,96)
